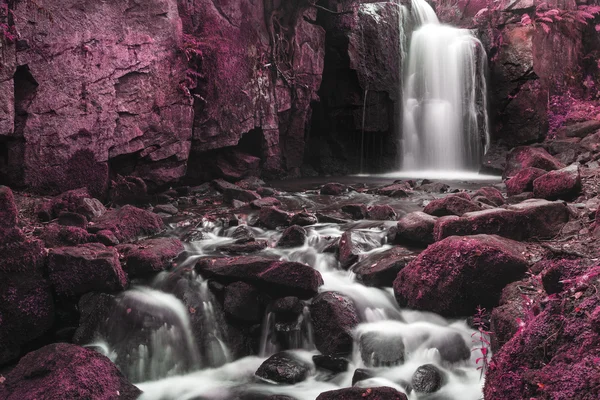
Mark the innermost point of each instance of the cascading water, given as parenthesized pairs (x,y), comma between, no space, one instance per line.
(445,123)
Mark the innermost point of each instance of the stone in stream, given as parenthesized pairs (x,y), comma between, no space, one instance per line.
(358,393)
(66,371)
(128,223)
(402,189)
(246,247)
(272,217)
(522,181)
(451,346)
(490,193)
(434,187)
(334,189)
(381,212)
(541,218)
(168,209)
(85,268)
(415,228)
(427,379)
(242,302)
(452,277)
(242,234)
(149,256)
(287,308)
(355,211)
(523,157)
(580,129)
(380,269)
(265,202)
(353,243)
(561,184)
(251,183)
(237,193)
(334,364)
(361,374)
(378,349)
(333,316)
(283,367)
(450,205)
(294,236)
(304,218)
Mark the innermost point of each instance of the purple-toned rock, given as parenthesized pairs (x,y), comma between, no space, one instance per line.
(234,165)
(334,189)
(381,212)
(265,202)
(273,217)
(18,254)
(242,302)
(561,184)
(78,201)
(237,193)
(541,218)
(304,218)
(66,371)
(452,277)
(496,221)
(522,181)
(294,236)
(245,247)
(128,190)
(283,367)
(107,238)
(74,271)
(380,269)
(54,235)
(396,190)
(415,228)
(334,316)
(356,211)
(149,256)
(128,223)
(168,209)
(579,130)
(359,393)
(354,243)
(331,363)
(434,187)
(450,205)
(279,278)
(490,193)
(524,157)
(67,218)
(251,183)
(287,308)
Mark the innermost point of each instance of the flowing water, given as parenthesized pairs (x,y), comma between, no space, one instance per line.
(445,123)
(169,336)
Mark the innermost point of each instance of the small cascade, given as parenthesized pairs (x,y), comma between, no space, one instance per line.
(278,335)
(445,123)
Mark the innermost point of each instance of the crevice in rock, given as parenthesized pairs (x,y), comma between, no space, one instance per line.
(25,90)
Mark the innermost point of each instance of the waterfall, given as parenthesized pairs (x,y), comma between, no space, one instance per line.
(445,123)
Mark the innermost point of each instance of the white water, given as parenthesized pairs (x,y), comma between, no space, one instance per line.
(445,123)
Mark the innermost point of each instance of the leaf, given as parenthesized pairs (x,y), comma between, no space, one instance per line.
(546,19)
(526,19)
(598,28)
(545,27)
(480,12)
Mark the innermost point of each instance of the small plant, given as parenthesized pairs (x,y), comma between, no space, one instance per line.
(481,338)
(545,16)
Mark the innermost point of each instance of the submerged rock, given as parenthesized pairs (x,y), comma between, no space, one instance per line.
(66,371)
(283,367)
(356,393)
(379,349)
(452,277)
(334,316)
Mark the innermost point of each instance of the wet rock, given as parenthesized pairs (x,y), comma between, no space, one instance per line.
(334,316)
(522,181)
(304,218)
(435,187)
(427,379)
(246,247)
(450,205)
(128,190)
(561,184)
(273,217)
(242,302)
(334,364)
(266,191)
(380,269)
(287,308)
(128,223)
(379,349)
(452,277)
(330,219)
(396,190)
(94,309)
(265,202)
(66,371)
(236,193)
(496,221)
(54,235)
(242,234)
(524,157)
(334,189)
(356,393)
(78,201)
(278,278)
(283,367)
(381,212)
(169,209)
(251,183)
(490,193)
(221,185)
(67,218)
(150,256)
(361,374)
(450,345)
(580,129)
(415,228)
(294,236)
(353,244)
(355,211)
(88,267)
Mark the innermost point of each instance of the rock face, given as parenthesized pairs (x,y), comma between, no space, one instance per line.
(452,277)
(334,316)
(61,371)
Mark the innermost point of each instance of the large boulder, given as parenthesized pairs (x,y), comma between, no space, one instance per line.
(149,256)
(279,278)
(524,157)
(452,277)
(522,181)
(334,316)
(78,201)
(380,269)
(415,228)
(128,223)
(358,393)
(285,368)
(541,218)
(564,183)
(66,371)
(74,271)
(450,205)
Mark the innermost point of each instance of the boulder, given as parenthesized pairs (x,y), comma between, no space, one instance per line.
(353,243)
(149,256)
(496,221)
(334,189)
(294,236)
(242,302)
(66,371)
(128,223)
(287,308)
(564,183)
(273,217)
(579,130)
(236,193)
(450,205)
(524,157)
(452,277)
(415,228)
(381,349)
(522,181)
(54,235)
(396,190)
(490,193)
(427,379)
(285,368)
(355,211)
(334,316)
(279,278)
(74,271)
(128,190)
(380,269)
(356,393)
(251,183)
(77,200)
(381,212)
(541,218)
(331,363)
(265,202)
(66,218)
(304,218)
